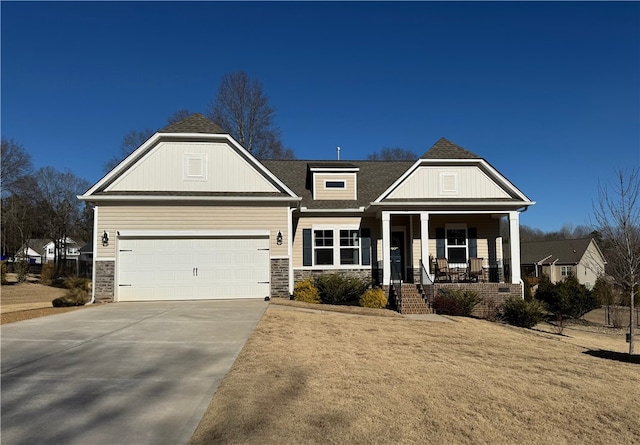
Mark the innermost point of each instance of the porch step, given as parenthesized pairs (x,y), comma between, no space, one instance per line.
(412,301)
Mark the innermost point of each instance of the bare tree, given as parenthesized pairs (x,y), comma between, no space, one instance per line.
(393,154)
(179,115)
(15,164)
(130,142)
(61,209)
(617,218)
(242,109)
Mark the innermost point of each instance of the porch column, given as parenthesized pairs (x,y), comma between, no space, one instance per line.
(386,248)
(424,241)
(514,235)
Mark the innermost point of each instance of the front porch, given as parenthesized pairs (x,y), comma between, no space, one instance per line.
(411,241)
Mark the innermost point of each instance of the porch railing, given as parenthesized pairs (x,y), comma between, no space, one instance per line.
(396,284)
(425,278)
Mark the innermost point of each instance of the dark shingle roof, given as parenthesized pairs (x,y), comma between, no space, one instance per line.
(566,251)
(374,178)
(196,123)
(445,149)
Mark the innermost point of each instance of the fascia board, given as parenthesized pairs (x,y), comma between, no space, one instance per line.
(484,165)
(308,210)
(123,165)
(453,204)
(398,181)
(186,198)
(335,169)
(257,164)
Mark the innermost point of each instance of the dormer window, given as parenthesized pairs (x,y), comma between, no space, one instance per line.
(334,180)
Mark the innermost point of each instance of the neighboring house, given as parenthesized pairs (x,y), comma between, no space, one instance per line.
(40,251)
(191,214)
(35,251)
(559,258)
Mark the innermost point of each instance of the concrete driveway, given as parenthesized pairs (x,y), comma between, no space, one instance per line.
(123,373)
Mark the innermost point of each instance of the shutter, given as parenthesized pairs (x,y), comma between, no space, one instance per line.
(440,243)
(307,249)
(472,234)
(365,241)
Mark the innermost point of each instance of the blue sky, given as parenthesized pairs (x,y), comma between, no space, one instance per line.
(547,92)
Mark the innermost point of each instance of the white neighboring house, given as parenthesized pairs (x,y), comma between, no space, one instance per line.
(40,251)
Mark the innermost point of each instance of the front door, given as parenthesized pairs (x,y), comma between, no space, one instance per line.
(397,256)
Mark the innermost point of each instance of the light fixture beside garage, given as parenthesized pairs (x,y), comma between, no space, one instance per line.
(105,239)
(279,238)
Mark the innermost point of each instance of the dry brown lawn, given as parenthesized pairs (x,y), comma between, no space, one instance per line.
(23,301)
(362,376)
(325,378)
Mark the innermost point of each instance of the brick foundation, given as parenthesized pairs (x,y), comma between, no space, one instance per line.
(493,294)
(365,274)
(105,279)
(280,277)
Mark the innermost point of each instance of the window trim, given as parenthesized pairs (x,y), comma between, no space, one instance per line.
(337,247)
(343,185)
(464,227)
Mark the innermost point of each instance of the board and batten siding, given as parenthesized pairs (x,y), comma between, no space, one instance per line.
(325,223)
(438,182)
(114,218)
(192,167)
(322,193)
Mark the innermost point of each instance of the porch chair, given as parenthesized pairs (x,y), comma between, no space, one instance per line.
(475,269)
(443,270)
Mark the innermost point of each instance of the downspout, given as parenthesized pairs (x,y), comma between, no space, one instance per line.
(95,254)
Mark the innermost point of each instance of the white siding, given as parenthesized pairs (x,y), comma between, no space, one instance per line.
(194,167)
(439,182)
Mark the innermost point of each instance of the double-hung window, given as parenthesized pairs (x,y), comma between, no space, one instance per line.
(349,247)
(336,247)
(323,247)
(566,270)
(457,244)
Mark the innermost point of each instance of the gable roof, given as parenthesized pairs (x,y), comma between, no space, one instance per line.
(196,123)
(445,149)
(566,251)
(195,128)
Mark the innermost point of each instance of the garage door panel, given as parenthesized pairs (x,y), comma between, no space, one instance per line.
(176,269)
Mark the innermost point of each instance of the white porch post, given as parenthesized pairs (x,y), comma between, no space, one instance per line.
(424,241)
(514,235)
(386,248)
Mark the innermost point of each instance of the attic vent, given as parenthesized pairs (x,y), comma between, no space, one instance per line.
(448,183)
(195,167)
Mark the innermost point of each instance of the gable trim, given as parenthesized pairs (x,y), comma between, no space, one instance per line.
(151,143)
(484,166)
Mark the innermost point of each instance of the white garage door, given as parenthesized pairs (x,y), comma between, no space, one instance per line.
(191,269)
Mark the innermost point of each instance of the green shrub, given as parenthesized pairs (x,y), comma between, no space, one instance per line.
(305,291)
(567,298)
(373,298)
(340,289)
(456,302)
(522,313)
(46,276)
(73,297)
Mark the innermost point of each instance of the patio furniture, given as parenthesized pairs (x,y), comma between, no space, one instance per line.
(443,270)
(475,269)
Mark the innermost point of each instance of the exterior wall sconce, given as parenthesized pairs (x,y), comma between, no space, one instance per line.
(105,239)
(279,238)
